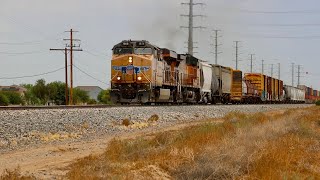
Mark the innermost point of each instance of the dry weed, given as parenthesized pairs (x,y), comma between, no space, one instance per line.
(237,148)
(126,122)
(153,118)
(15,175)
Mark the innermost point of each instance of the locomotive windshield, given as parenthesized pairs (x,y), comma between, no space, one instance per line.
(123,51)
(142,51)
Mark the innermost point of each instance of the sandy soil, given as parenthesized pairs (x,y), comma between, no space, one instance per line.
(51,161)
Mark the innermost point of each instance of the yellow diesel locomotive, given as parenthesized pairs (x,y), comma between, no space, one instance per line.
(144,73)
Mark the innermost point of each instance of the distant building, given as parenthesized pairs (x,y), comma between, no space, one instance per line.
(93,91)
(14,88)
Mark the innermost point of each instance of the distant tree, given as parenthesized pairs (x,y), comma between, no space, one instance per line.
(56,92)
(29,96)
(80,96)
(13,97)
(40,91)
(92,101)
(104,97)
(4,101)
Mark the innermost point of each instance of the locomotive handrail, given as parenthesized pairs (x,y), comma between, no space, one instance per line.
(147,79)
(115,75)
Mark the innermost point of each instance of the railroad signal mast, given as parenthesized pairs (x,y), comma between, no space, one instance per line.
(69,48)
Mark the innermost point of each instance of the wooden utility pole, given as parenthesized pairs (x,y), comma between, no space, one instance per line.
(71,67)
(66,75)
(66,72)
(72,46)
(69,97)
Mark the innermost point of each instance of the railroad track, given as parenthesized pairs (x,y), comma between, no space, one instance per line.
(107,106)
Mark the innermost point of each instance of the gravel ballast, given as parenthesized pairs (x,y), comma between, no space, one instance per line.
(31,127)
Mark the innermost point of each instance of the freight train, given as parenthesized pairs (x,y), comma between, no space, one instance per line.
(142,73)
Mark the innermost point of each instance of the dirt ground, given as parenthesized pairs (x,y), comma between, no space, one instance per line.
(52,161)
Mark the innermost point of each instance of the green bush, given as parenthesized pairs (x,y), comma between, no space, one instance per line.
(4,101)
(92,102)
(13,97)
(104,97)
(318,103)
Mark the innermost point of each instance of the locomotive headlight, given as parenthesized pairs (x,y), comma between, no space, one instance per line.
(118,78)
(139,78)
(130,59)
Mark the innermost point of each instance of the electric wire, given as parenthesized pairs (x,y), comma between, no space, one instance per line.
(21,53)
(281,12)
(90,75)
(35,75)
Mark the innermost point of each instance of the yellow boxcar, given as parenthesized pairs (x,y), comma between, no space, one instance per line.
(260,81)
(236,88)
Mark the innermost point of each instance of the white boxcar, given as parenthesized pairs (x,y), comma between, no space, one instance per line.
(294,94)
(224,75)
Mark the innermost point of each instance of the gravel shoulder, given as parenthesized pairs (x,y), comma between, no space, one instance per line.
(44,142)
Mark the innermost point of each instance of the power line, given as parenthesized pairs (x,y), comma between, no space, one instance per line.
(21,53)
(90,75)
(237,53)
(251,62)
(27,42)
(93,54)
(29,76)
(191,26)
(292,75)
(283,37)
(216,45)
(287,25)
(281,12)
(262,68)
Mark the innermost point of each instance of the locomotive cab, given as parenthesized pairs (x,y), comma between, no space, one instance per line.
(131,71)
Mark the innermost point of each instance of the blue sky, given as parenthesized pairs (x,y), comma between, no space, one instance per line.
(28,29)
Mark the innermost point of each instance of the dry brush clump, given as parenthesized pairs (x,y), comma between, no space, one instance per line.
(15,175)
(244,146)
(233,156)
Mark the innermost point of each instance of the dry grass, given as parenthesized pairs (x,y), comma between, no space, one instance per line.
(15,175)
(236,148)
(153,118)
(126,122)
(274,145)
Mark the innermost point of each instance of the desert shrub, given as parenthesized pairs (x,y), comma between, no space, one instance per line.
(92,102)
(4,101)
(153,118)
(126,122)
(13,97)
(15,174)
(318,103)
